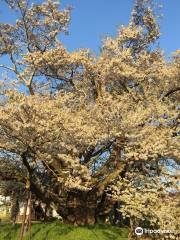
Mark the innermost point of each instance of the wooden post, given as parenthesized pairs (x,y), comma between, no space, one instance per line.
(30,215)
(24,220)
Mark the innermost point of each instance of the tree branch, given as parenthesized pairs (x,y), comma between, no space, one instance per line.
(170,92)
(6,67)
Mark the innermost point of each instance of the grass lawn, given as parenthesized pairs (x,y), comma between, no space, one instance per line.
(58,231)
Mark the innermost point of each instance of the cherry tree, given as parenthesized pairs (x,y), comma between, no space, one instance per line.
(90,131)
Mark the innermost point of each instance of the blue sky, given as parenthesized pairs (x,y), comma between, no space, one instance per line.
(92,20)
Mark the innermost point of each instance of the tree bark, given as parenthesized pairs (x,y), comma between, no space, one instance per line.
(81,208)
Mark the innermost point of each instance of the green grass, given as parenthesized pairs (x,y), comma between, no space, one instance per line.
(58,231)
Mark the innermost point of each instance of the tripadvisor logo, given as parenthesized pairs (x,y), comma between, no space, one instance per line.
(139,231)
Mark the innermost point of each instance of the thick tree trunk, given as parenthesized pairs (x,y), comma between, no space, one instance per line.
(81,216)
(81,209)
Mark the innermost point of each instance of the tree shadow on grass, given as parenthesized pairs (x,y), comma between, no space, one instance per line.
(12,231)
(109,232)
(114,236)
(58,230)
